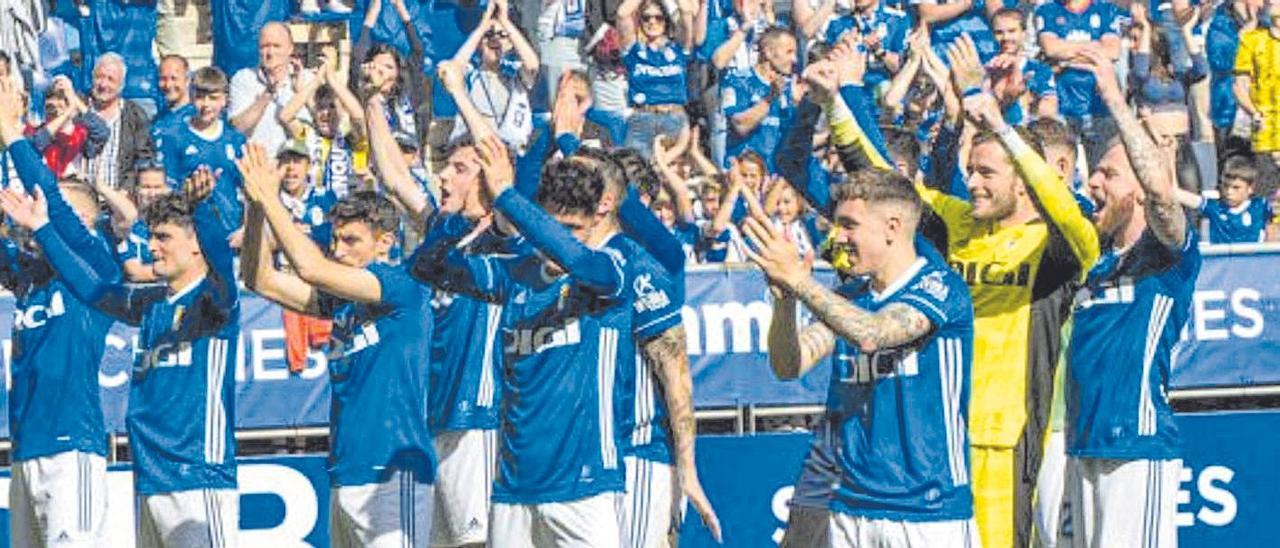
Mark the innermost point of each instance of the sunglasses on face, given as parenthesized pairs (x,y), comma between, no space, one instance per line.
(653,17)
(496,34)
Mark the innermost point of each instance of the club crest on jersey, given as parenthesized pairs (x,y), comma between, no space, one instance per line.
(525,342)
(37,315)
(933,285)
(648,297)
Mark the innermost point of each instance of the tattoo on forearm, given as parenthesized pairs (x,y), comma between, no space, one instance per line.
(1164,215)
(669,355)
(893,326)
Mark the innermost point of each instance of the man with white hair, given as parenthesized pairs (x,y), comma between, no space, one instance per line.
(258,93)
(130,125)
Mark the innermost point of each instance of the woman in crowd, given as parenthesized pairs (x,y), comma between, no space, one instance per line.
(1160,91)
(657,68)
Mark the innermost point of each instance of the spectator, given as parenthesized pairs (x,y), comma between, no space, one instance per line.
(1238,215)
(761,103)
(1024,86)
(499,84)
(130,138)
(175,84)
(309,206)
(259,93)
(71,134)
(1221,42)
(1064,29)
(411,101)
(1257,89)
(882,30)
(336,133)
(561,25)
(131,237)
(721,241)
(732,45)
(1160,88)
(948,19)
(656,69)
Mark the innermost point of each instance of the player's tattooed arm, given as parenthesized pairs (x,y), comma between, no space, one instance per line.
(1150,165)
(894,325)
(793,351)
(669,351)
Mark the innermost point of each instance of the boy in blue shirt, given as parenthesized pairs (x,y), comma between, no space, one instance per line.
(382,461)
(901,336)
(58,491)
(181,414)
(1236,216)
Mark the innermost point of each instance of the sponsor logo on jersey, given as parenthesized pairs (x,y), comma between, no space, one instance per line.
(165,355)
(648,297)
(1118,291)
(37,315)
(525,342)
(994,273)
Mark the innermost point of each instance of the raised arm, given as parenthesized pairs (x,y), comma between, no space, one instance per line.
(529,63)
(262,187)
(809,20)
(1164,215)
(626,23)
(391,165)
(689,11)
(451,75)
(933,13)
(261,276)
(468,48)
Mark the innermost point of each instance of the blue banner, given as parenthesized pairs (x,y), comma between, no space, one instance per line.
(1233,338)
(1227,494)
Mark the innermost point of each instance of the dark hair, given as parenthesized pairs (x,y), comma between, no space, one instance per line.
(1239,167)
(817,52)
(380,48)
(369,207)
(570,187)
(666,17)
(325,94)
(1010,13)
(209,80)
(755,158)
(614,174)
(638,171)
(880,186)
(172,209)
(772,35)
(1049,133)
(902,144)
(1161,58)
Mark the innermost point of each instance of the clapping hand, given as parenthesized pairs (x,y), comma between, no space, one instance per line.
(260,173)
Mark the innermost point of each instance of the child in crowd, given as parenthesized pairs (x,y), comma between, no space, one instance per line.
(1236,215)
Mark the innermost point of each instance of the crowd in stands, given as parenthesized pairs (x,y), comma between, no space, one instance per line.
(707,92)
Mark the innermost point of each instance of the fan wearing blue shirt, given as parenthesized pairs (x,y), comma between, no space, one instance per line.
(174,82)
(761,103)
(1121,436)
(883,30)
(206,141)
(382,461)
(566,323)
(1024,86)
(181,415)
(656,52)
(1236,216)
(901,339)
(949,19)
(1064,29)
(58,491)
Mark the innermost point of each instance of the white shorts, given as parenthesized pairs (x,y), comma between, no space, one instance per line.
(649,503)
(58,500)
(394,513)
(1122,503)
(585,523)
(197,518)
(464,483)
(1050,485)
(856,531)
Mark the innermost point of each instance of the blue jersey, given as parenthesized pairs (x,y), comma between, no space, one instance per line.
(311,211)
(136,245)
(1221,43)
(379,373)
(972,22)
(181,416)
(1077,90)
(466,356)
(172,120)
(891,25)
(1244,224)
(741,92)
(183,151)
(900,413)
(641,408)
(1128,318)
(656,76)
(58,342)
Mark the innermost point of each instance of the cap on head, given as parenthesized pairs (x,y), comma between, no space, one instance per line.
(293,148)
